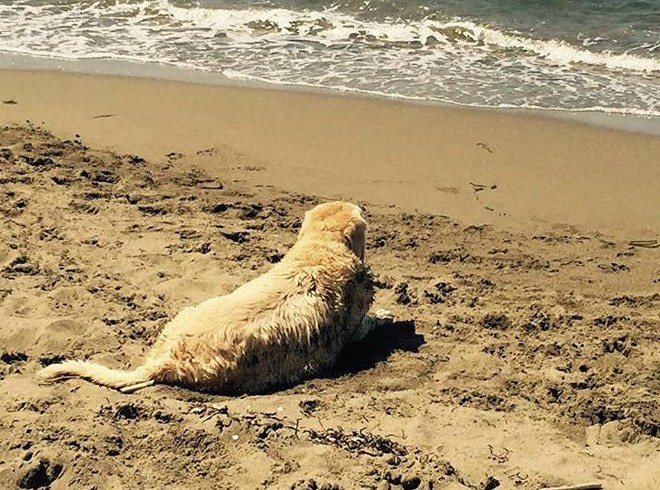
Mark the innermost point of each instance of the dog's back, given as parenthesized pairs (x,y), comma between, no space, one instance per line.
(276,329)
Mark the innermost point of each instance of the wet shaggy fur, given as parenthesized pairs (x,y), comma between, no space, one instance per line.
(277,329)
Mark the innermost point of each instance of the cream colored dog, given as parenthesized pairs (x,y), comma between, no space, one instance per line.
(277,329)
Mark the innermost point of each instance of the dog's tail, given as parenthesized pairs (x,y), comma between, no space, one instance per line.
(113,378)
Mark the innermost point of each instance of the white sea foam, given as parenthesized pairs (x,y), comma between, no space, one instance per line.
(553,50)
(333,26)
(453,61)
(389,95)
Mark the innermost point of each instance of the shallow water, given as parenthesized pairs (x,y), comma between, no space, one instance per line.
(572,55)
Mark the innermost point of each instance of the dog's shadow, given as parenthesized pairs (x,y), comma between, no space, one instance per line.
(376,347)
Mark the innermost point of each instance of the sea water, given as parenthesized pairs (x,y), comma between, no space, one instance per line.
(580,55)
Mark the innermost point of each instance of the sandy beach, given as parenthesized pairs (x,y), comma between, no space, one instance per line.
(518,254)
(418,158)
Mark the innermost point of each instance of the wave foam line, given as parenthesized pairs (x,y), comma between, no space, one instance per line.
(553,50)
(234,75)
(329,27)
(334,26)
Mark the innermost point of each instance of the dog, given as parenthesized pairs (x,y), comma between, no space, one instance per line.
(283,326)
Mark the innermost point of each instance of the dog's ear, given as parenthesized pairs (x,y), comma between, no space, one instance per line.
(355,237)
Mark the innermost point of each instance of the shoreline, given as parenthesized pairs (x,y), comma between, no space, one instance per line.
(631,122)
(477,166)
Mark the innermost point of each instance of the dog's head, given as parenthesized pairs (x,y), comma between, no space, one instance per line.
(340,220)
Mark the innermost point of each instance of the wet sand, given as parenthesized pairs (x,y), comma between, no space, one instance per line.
(476,166)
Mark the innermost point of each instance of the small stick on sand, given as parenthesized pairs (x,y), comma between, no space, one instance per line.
(585,486)
(136,386)
(644,243)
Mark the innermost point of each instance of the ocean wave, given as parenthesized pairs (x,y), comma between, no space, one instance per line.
(330,26)
(557,51)
(432,59)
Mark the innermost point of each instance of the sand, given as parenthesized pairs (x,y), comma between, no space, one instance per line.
(524,351)
(533,171)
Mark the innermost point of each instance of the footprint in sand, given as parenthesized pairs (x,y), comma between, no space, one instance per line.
(447,189)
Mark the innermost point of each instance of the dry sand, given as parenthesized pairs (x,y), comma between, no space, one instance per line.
(524,352)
